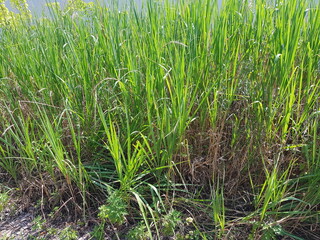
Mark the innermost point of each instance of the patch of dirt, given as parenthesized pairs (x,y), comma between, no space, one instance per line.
(22,225)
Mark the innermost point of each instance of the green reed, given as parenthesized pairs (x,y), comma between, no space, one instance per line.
(176,92)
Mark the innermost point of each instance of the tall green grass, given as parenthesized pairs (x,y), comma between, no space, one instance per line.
(174,104)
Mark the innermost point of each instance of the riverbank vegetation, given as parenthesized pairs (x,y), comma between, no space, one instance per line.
(187,119)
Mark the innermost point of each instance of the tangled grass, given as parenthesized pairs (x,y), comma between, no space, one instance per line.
(178,110)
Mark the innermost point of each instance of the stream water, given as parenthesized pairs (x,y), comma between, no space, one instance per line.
(37,6)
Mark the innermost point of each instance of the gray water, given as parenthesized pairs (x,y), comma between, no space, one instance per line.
(37,6)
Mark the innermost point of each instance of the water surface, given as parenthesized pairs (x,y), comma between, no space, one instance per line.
(37,6)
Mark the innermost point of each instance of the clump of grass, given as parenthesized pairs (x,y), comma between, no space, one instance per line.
(170,103)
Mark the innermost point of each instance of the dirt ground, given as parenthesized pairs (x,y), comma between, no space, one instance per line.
(24,225)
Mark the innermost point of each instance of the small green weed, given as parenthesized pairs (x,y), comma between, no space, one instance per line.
(192,235)
(115,210)
(4,199)
(38,223)
(98,231)
(139,232)
(68,234)
(170,222)
(6,237)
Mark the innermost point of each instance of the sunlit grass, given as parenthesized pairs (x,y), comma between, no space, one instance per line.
(174,104)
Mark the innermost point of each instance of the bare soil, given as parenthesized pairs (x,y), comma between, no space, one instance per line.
(21,224)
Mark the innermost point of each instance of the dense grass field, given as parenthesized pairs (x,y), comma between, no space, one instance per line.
(180,120)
